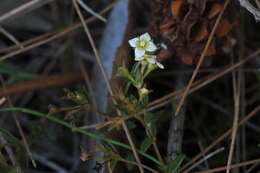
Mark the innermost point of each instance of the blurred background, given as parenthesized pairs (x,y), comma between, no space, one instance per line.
(46,55)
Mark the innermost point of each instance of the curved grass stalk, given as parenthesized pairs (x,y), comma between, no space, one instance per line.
(79,130)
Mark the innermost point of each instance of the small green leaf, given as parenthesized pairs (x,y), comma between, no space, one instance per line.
(150,68)
(136,69)
(123,72)
(147,142)
(150,119)
(173,166)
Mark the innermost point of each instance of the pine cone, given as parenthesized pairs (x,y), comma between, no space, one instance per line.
(185,25)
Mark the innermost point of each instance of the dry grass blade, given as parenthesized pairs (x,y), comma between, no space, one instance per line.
(18,125)
(10,37)
(27,7)
(205,158)
(49,163)
(85,7)
(221,138)
(202,57)
(199,84)
(46,38)
(232,166)
(237,90)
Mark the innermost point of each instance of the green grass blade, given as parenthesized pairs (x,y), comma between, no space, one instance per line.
(76,129)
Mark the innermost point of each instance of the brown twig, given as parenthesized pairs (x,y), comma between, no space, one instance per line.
(59,80)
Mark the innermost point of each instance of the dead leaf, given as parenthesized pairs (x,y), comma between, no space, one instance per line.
(215,9)
(166,26)
(187,28)
(202,33)
(187,58)
(116,122)
(223,28)
(84,155)
(176,7)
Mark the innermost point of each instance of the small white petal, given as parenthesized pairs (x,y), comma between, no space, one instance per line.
(133,42)
(145,37)
(139,53)
(144,91)
(151,47)
(139,58)
(164,46)
(160,65)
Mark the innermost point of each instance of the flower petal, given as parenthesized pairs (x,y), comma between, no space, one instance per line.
(160,65)
(139,58)
(144,91)
(139,53)
(151,47)
(133,42)
(145,37)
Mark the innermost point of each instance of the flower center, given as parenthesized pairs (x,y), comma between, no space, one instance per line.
(142,43)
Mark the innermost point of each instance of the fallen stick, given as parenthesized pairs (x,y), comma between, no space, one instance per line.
(53,81)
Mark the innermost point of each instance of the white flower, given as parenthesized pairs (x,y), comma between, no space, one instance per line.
(142,45)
